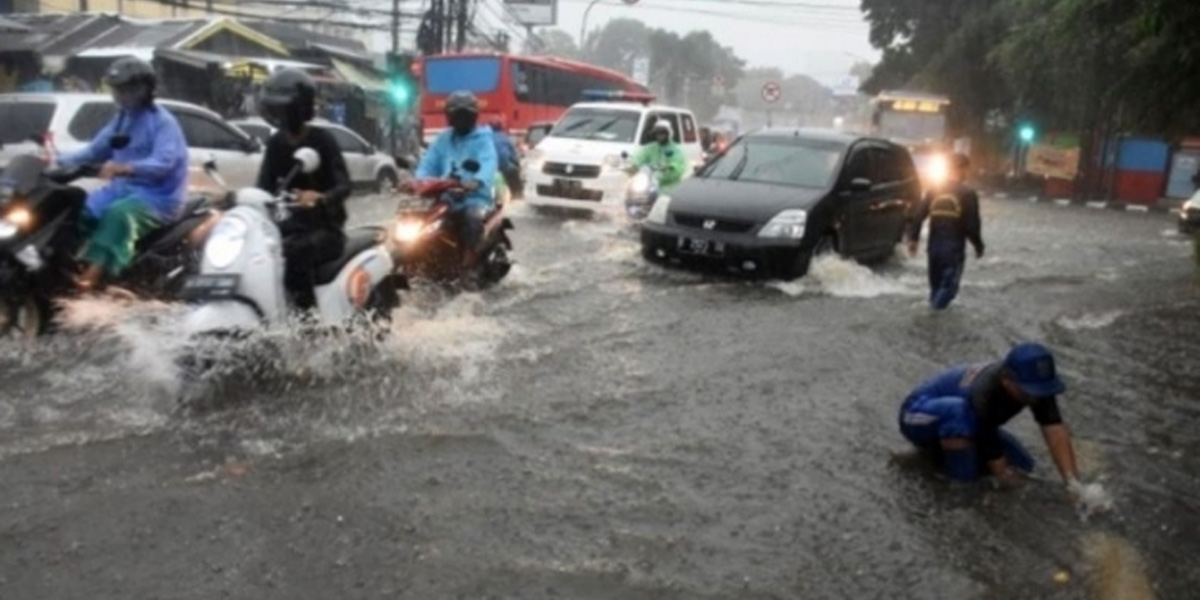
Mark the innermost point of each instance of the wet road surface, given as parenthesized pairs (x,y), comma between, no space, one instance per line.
(600,428)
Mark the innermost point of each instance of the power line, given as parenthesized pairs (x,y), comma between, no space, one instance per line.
(823,22)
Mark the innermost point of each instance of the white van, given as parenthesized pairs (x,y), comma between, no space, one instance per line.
(579,163)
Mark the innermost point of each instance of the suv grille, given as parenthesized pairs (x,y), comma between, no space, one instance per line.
(569,170)
(722,225)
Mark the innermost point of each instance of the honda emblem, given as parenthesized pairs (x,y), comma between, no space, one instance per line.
(569,169)
(709,224)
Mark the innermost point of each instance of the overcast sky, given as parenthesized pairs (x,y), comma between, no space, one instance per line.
(820,38)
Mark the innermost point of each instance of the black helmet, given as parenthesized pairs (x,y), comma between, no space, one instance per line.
(288,99)
(462,112)
(462,101)
(129,73)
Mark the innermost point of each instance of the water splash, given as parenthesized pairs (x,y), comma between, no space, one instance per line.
(1083,321)
(844,278)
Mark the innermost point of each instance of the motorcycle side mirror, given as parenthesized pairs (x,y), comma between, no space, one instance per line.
(210,165)
(624,155)
(308,158)
(471,165)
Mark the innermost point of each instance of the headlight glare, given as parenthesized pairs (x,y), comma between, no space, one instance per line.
(226,242)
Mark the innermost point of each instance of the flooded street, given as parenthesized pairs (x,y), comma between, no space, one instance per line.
(599,428)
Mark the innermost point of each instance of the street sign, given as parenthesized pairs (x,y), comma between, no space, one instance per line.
(533,12)
(771,92)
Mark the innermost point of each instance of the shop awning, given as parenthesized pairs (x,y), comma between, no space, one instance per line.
(359,77)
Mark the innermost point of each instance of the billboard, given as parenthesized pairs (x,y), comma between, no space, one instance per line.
(533,12)
(1048,161)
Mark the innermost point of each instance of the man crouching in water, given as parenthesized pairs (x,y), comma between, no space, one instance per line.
(957,418)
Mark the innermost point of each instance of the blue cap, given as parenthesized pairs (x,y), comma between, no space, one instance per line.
(1032,365)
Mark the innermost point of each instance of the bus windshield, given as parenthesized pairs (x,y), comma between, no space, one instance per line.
(477,75)
(913,125)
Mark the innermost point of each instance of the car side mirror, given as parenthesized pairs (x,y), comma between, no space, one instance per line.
(252,145)
(860,184)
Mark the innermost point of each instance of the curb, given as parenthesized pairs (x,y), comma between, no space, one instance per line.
(1093,204)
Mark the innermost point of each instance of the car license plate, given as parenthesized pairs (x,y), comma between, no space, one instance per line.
(210,287)
(701,247)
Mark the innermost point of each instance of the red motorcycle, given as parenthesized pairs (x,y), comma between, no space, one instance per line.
(425,237)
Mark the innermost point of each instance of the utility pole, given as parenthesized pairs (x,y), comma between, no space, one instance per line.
(461,41)
(394,113)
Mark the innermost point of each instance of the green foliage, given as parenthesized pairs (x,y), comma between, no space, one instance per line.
(1066,64)
(684,70)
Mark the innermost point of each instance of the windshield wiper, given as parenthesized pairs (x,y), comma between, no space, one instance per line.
(577,124)
(603,127)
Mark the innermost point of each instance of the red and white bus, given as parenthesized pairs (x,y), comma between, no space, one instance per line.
(517,91)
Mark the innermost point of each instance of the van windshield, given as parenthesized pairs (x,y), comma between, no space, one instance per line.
(602,124)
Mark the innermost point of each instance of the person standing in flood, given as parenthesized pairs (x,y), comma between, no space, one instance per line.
(953,213)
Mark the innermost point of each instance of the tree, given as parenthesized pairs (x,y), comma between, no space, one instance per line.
(556,42)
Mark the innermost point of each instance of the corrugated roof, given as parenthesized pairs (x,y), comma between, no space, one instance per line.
(129,34)
(10,25)
(294,36)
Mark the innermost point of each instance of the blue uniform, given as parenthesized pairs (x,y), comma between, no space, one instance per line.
(447,154)
(953,221)
(158,153)
(970,402)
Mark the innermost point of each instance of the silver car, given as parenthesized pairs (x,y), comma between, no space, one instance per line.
(72,120)
(370,169)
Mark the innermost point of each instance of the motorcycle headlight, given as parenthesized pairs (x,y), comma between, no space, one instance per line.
(938,170)
(788,224)
(658,214)
(17,219)
(640,183)
(226,242)
(407,231)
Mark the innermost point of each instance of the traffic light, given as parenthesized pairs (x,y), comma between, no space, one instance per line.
(401,84)
(1027,133)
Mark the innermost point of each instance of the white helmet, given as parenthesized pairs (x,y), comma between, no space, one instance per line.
(662,124)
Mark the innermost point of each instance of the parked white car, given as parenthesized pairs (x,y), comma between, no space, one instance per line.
(370,169)
(74,119)
(579,163)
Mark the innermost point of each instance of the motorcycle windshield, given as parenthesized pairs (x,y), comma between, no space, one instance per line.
(21,176)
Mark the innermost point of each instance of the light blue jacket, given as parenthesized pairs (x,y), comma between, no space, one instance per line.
(158,153)
(449,151)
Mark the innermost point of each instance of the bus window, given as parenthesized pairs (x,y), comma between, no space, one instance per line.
(477,75)
(520,79)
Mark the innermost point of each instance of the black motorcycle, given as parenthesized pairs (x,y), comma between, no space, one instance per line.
(40,241)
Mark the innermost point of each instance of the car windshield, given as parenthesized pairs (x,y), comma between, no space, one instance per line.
(606,125)
(779,161)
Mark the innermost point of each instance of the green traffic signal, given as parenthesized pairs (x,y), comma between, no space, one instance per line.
(400,92)
(1027,133)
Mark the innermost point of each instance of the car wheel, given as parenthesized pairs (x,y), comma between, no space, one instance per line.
(826,245)
(386,181)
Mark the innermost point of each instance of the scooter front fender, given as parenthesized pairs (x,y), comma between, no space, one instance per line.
(221,316)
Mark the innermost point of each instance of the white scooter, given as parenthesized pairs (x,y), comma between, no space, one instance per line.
(240,285)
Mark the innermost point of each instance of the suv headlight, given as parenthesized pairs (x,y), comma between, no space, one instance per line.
(788,224)
(226,242)
(658,214)
(1190,205)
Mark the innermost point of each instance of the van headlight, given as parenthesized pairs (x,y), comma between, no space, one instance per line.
(788,224)
(658,214)
(226,242)
(1190,206)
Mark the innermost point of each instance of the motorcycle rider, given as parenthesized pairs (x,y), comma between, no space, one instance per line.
(312,235)
(145,157)
(663,156)
(465,141)
(507,158)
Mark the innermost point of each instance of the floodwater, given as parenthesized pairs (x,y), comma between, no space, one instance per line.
(600,428)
